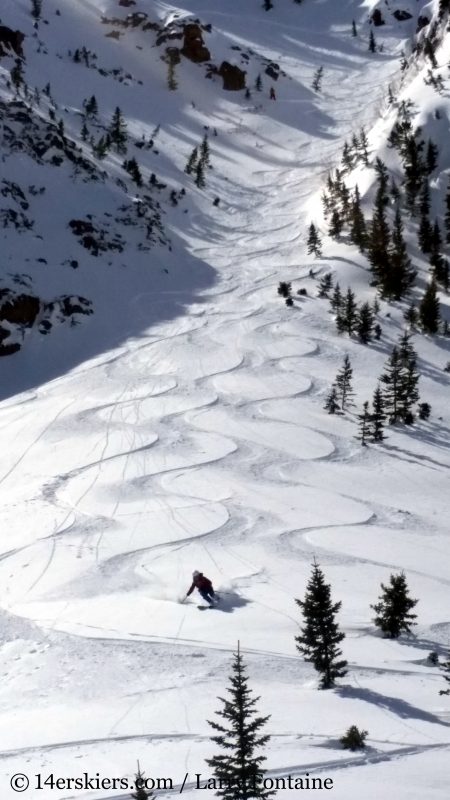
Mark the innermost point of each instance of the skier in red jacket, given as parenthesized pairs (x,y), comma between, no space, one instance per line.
(204,586)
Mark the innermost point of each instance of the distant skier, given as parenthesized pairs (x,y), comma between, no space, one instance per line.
(272,93)
(204,586)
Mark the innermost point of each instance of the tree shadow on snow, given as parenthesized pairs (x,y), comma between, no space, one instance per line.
(396,706)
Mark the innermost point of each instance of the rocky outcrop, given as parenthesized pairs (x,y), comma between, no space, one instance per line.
(401,16)
(422,22)
(21,309)
(273,70)
(11,40)
(233,77)
(193,45)
(127,3)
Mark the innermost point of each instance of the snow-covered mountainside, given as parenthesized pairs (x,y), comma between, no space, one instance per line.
(162,396)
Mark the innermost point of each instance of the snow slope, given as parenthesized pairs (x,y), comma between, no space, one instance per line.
(181,426)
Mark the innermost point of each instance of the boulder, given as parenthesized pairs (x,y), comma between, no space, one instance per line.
(401,16)
(193,45)
(233,77)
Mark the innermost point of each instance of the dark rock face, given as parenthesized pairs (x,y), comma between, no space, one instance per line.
(272,70)
(21,309)
(401,16)
(127,3)
(422,22)
(377,18)
(11,40)
(193,45)
(233,77)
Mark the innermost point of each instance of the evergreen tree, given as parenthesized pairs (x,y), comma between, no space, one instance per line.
(258,83)
(395,192)
(239,768)
(314,243)
(392,381)
(436,259)
(364,146)
(84,133)
(192,162)
(16,74)
(336,224)
(354,31)
(205,153)
(267,5)
(132,167)
(378,417)
(364,424)
(343,384)
(325,284)
(331,403)
(447,213)
(413,167)
(91,107)
(378,245)
(429,309)
(400,275)
(431,158)
(336,299)
(372,43)
(118,131)
(358,230)
(200,175)
(411,316)
(446,668)
(284,288)
(36,9)
(347,159)
(425,229)
(365,322)
(320,637)
(393,611)
(348,313)
(317,80)
(141,792)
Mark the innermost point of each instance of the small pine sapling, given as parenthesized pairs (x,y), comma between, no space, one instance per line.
(354,738)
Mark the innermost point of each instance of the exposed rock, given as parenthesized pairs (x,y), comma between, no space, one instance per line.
(401,16)
(422,22)
(193,45)
(127,3)
(377,18)
(80,226)
(11,40)
(272,70)
(21,309)
(233,77)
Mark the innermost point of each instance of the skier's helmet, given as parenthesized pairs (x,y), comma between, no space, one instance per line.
(196,573)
